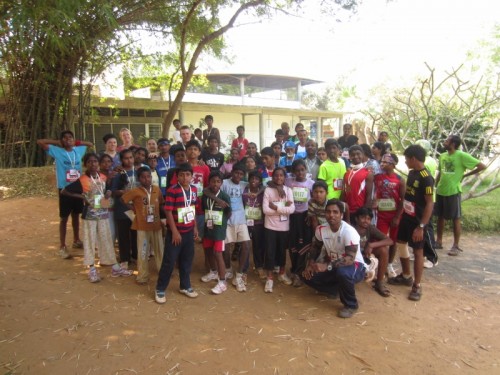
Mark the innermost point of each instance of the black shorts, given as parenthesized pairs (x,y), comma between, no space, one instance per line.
(405,232)
(448,207)
(69,205)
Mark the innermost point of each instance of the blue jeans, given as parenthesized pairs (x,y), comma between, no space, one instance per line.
(341,280)
(184,253)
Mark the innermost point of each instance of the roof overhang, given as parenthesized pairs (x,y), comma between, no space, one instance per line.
(263,81)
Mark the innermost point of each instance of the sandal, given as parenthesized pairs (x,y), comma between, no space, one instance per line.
(381,289)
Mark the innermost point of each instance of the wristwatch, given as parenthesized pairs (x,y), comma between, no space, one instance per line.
(329,267)
(421,225)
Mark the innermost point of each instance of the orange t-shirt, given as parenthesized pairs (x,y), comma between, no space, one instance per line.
(139,199)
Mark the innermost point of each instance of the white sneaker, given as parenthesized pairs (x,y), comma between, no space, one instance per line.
(124,265)
(189,292)
(391,272)
(160,297)
(269,286)
(220,288)
(212,275)
(63,253)
(285,279)
(229,273)
(428,263)
(239,283)
(93,275)
(371,269)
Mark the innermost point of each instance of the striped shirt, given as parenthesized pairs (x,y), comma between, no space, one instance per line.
(175,200)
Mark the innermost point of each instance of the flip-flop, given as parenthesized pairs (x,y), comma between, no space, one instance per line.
(381,289)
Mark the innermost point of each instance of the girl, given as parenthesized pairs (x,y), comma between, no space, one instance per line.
(252,200)
(317,205)
(300,233)
(227,167)
(322,155)
(378,150)
(277,206)
(91,188)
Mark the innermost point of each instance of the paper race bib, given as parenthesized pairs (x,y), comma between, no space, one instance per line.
(150,214)
(338,184)
(254,213)
(185,214)
(163,181)
(299,194)
(215,216)
(72,175)
(97,200)
(409,207)
(386,204)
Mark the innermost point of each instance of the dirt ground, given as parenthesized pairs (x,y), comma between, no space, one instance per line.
(55,322)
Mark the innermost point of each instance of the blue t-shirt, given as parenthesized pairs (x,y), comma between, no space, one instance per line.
(66,163)
(235,192)
(164,164)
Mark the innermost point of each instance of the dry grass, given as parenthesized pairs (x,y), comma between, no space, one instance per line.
(25,182)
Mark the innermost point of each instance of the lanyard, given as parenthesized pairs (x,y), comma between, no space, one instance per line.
(167,166)
(252,201)
(187,202)
(310,165)
(131,182)
(148,193)
(98,184)
(211,202)
(72,161)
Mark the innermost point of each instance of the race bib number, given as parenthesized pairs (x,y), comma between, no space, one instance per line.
(299,194)
(338,184)
(253,213)
(72,175)
(163,181)
(185,214)
(386,204)
(409,208)
(214,216)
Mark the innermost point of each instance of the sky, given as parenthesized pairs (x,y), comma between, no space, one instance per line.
(385,42)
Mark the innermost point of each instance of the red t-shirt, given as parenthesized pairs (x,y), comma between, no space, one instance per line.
(387,193)
(355,188)
(242,145)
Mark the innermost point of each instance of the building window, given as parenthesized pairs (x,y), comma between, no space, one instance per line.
(153,131)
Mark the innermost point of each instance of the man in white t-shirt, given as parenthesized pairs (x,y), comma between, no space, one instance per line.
(335,261)
(177,131)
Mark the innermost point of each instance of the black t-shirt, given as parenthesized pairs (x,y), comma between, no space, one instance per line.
(213,161)
(418,185)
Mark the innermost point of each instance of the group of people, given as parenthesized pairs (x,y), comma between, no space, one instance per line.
(341,211)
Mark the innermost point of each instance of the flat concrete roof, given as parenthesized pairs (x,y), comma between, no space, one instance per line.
(264,81)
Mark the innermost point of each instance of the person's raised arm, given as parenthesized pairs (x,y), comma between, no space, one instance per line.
(44,143)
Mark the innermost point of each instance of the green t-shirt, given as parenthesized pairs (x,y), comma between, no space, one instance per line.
(218,215)
(333,174)
(431,164)
(451,171)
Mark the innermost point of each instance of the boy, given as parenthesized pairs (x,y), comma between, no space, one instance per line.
(237,230)
(240,142)
(211,156)
(300,148)
(417,211)
(199,179)
(215,229)
(178,153)
(122,182)
(181,233)
(68,155)
(266,172)
(147,203)
(210,130)
(165,163)
(332,170)
(358,183)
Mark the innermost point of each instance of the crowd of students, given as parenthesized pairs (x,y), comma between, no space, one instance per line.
(335,210)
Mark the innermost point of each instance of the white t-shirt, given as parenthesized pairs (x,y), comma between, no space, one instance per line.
(335,242)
